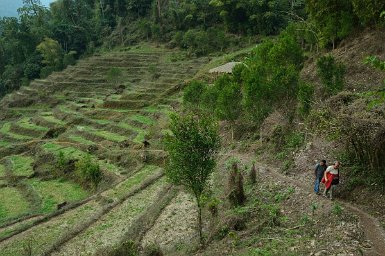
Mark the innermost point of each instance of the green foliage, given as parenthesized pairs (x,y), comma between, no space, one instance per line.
(375,62)
(52,53)
(61,162)
(69,59)
(192,148)
(294,140)
(89,171)
(337,209)
(270,76)
(331,73)
(192,94)
(305,98)
(368,11)
(228,104)
(332,18)
(114,75)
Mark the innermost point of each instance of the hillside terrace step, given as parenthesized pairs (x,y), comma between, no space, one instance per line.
(139,96)
(40,121)
(98,135)
(126,104)
(23,131)
(89,66)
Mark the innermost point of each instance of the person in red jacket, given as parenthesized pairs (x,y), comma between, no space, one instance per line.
(331,178)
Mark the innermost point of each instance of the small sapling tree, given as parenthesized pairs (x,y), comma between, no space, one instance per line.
(228,105)
(192,148)
(88,171)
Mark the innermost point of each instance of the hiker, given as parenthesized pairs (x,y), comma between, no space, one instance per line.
(319,173)
(331,178)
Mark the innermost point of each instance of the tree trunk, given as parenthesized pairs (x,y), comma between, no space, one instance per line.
(200,221)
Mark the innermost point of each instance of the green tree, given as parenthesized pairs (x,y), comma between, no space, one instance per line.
(228,105)
(192,149)
(368,11)
(270,76)
(192,94)
(333,18)
(52,53)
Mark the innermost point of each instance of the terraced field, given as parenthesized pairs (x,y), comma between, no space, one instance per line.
(80,111)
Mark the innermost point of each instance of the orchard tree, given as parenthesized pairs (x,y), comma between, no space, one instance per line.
(192,149)
(228,105)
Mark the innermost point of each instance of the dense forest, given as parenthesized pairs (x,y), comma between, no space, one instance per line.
(44,40)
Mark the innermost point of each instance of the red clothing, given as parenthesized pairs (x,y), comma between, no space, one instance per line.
(330,177)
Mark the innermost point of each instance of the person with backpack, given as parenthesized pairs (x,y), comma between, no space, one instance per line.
(319,173)
(331,178)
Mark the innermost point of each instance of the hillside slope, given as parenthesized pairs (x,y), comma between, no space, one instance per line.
(119,119)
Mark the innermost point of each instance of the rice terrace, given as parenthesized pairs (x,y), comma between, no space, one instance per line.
(80,112)
(192,127)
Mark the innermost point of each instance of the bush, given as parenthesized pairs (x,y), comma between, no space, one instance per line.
(114,75)
(196,41)
(69,59)
(61,162)
(192,94)
(88,171)
(271,77)
(331,74)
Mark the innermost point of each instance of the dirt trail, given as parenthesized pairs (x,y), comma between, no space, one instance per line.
(370,225)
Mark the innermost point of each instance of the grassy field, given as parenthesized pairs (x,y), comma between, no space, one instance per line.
(21,165)
(12,204)
(53,192)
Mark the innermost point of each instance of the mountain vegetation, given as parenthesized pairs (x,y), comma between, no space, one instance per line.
(95,161)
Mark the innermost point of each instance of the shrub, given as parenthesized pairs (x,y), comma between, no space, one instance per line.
(331,74)
(69,58)
(61,162)
(209,98)
(89,171)
(114,75)
(192,94)
(196,41)
(272,75)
